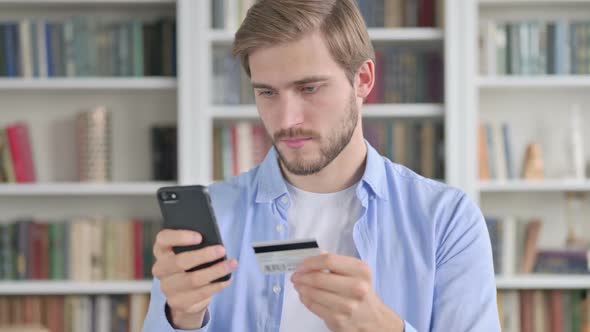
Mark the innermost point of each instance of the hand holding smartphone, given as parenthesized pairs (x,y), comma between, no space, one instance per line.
(191,263)
(189,208)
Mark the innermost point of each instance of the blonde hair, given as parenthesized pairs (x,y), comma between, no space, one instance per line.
(271,22)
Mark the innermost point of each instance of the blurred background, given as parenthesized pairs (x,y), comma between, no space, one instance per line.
(103,102)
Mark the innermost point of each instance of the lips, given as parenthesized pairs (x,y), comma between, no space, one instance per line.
(296,143)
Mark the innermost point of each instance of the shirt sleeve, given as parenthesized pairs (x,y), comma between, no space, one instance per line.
(156,320)
(464,287)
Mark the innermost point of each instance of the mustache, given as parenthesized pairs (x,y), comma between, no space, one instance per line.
(294,133)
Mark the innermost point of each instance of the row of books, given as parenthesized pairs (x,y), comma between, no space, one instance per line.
(416,144)
(238,147)
(407,75)
(402,13)
(402,75)
(515,248)
(228,14)
(84,248)
(101,313)
(230,83)
(544,310)
(84,46)
(495,152)
(559,47)
(16,157)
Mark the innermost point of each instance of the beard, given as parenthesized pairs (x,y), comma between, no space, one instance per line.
(330,146)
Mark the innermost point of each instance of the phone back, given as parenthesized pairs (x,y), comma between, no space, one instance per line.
(189,207)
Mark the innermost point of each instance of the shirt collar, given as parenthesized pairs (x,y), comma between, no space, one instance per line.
(271,184)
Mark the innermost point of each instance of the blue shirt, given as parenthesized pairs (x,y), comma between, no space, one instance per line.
(426,243)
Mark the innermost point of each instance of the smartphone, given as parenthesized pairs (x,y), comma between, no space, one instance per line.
(189,208)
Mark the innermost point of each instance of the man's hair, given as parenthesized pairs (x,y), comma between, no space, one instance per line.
(271,22)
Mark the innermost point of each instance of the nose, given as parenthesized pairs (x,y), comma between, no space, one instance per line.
(290,111)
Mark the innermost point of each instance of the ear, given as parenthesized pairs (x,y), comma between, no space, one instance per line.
(365,79)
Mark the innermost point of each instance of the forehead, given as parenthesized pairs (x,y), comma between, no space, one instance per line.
(286,62)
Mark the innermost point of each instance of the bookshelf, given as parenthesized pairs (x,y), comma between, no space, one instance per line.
(48,105)
(136,102)
(536,106)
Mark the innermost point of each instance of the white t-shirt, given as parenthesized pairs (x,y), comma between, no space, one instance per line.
(329,218)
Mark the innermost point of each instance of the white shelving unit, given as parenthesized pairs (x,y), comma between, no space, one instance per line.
(185,101)
(74,287)
(536,107)
(136,104)
(549,82)
(543,282)
(532,186)
(376,34)
(103,84)
(81,189)
(369,111)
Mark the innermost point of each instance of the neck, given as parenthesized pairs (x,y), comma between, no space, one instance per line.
(344,171)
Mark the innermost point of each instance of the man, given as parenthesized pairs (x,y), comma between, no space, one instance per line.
(403,253)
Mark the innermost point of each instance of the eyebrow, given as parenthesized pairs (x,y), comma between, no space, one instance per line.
(306,80)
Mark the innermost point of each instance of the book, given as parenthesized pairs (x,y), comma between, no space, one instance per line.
(94,145)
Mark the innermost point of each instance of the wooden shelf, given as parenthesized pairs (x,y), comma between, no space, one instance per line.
(505,82)
(376,34)
(140,83)
(369,111)
(74,287)
(88,189)
(543,281)
(555,185)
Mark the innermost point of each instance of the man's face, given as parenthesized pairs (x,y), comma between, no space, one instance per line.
(305,101)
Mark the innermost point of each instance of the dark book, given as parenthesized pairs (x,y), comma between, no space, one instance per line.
(164,153)
(562,261)
(3,50)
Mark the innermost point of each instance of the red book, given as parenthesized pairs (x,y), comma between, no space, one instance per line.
(138,248)
(556,314)
(55,313)
(45,261)
(376,95)
(20,149)
(426,13)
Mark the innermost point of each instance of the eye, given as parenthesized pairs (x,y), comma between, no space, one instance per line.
(310,89)
(266,93)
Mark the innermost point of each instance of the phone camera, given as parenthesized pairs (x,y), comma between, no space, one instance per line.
(168,196)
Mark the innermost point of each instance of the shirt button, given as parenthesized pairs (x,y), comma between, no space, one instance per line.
(280,228)
(284,200)
(372,197)
(276,289)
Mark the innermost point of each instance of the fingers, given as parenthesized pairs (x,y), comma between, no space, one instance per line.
(343,265)
(190,300)
(183,281)
(170,263)
(336,304)
(345,286)
(168,238)
(189,259)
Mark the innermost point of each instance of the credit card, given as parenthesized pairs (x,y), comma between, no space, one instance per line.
(284,256)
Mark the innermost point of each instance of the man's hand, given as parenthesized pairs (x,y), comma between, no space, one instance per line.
(339,290)
(188,294)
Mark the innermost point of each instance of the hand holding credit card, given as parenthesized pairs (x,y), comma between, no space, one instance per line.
(284,256)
